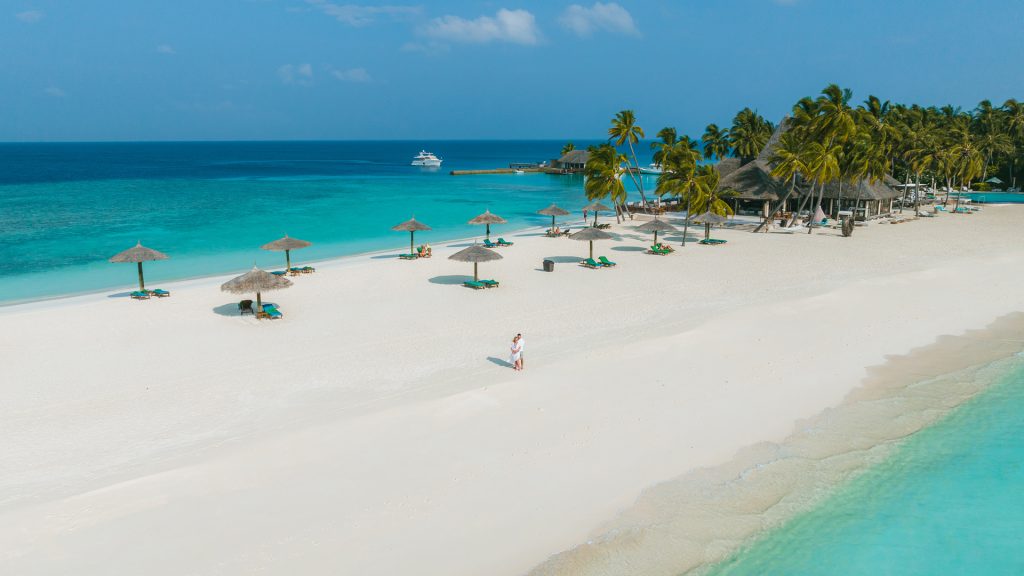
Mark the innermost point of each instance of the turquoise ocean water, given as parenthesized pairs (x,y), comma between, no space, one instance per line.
(949,500)
(66,208)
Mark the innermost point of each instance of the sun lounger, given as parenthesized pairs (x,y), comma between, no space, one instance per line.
(658,251)
(490,283)
(245,306)
(140,295)
(474,284)
(279,272)
(503,242)
(159,293)
(308,269)
(606,261)
(712,242)
(271,311)
(489,244)
(408,256)
(591,263)
(940,208)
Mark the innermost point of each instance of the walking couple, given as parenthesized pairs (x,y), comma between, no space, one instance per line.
(516,359)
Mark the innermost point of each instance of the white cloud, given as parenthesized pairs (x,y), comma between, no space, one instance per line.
(165,49)
(301,74)
(608,17)
(516,26)
(356,15)
(30,16)
(359,75)
(55,92)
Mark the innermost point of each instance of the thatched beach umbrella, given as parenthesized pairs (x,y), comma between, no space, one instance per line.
(257,281)
(488,219)
(287,244)
(708,219)
(411,225)
(475,254)
(138,255)
(656,226)
(553,211)
(596,207)
(589,234)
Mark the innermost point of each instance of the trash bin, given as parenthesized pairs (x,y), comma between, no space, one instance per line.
(549,265)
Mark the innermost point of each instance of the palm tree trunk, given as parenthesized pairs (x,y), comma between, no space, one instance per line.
(917,193)
(686,223)
(792,187)
(839,202)
(906,187)
(639,183)
(800,208)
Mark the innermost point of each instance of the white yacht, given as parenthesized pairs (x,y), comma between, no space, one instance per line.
(652,168)
(425,158)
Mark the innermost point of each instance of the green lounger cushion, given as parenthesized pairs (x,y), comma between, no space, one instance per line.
(489,244)
(490,283)
(590,263)
(474,284)
(606,262)
(503,242)
(408,256)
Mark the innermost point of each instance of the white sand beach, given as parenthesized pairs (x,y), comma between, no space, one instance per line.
(376,429)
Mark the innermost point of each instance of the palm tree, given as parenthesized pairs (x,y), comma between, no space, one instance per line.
(679,176)
(1015,128)
(749,135)
(625,131)
(789,160)
(668,139)
(603,176)
(823,167)
(716,142)
(708,197)
(569,147)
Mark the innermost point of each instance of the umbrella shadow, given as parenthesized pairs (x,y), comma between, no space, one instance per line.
(229,309)
(565,259)
(119,295)
(450,280)
(383,256)
(499,362)
(628,249)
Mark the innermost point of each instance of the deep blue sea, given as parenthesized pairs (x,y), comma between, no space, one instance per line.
(950,500)
(65,208)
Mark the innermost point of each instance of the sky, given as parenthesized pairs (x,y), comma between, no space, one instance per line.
(453,69)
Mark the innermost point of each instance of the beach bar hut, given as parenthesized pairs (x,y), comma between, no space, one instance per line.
(412,226)
(656,226)
(596,207)
(475,254)
(139,254)
(286,244)
(553,211)
(487,219)
(257,281)
(589,234)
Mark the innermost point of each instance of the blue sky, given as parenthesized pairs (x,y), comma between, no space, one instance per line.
(323,69)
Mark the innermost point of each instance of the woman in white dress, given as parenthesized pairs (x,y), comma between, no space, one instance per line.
(517,354)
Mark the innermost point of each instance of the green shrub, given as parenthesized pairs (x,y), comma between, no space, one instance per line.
(981,187)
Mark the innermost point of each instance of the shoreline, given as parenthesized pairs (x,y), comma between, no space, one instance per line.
(380,409)
(694,523)
(332,261)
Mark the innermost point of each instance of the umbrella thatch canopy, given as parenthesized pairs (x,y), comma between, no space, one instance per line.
(257,281)
(139,254)
(596,207)
(553,211)
(656,226)
(287,244)
(590,234)
(412,226)
(475,254)
(707,219)
(488,219)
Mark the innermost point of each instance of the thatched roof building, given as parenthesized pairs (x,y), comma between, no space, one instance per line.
(883,189)
(573,160)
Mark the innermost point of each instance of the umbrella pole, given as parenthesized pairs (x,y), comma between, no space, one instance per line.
(488,230)
(591,249)
(552,223)
(412,235)
(655,237)
(259,305)
(142,283)
(287,261)
(476,277)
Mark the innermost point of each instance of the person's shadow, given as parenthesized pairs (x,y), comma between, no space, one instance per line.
(499,362)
